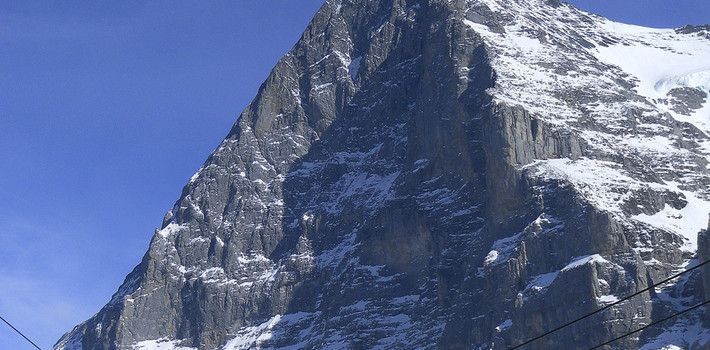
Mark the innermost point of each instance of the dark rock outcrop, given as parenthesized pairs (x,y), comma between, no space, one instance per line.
(704,255)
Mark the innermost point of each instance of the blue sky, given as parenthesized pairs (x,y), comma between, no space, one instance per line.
(106,110)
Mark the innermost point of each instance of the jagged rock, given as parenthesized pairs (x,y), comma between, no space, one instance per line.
(702,30)
(433,174)
(686,100)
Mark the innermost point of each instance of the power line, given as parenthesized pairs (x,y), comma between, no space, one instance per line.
(20,333)
(609,306)
(652,324)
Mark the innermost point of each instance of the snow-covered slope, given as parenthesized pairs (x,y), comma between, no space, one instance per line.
(637,99)
(613,86)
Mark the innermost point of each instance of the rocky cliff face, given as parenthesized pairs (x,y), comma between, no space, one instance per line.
(439,174)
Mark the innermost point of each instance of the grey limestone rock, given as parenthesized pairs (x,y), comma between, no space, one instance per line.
(686,100)
(399,181)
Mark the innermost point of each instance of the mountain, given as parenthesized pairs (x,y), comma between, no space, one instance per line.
(447,174)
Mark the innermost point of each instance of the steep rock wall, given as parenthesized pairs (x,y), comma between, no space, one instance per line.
(378,193)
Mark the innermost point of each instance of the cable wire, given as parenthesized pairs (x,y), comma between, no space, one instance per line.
(651,324)
(20,333)
(609,306)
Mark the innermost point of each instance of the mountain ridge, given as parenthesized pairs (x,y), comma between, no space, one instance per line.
(396,153)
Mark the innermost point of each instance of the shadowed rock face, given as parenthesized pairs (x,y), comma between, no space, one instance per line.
(704,255)
(384,190)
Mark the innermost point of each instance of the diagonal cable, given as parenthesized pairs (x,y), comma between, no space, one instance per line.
(652,324)
(20,333)
(609,306)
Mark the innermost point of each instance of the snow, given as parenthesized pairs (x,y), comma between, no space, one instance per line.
(249,336)
(701,118)
(607,299)
(170,230)
(321,88)
(657,143)
(407,299)
(199,239)
(652,65)
(660,60)
(493,5)
(502,249)
(505,248)
(366,189)
(686,222)
(526,44)
(681,336)
(603,183)
(608,186)
(583,260)
(194,176)
(160,344)
(252,258)
(306,217)
(213,275)
(491,257)
(505,325)
(525,66)
(531,72)
(336,255)
(541,282)
(420,164)
(252,337)
(699,79)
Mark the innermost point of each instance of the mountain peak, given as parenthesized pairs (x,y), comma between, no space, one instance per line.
(430,175)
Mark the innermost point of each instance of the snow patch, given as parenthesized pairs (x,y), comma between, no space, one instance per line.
(170,230)
(306,217)
(652,65)
(503,249)
(657,144)
(583,260)
(505,325)
(607,186)
(253,337)
(660,60)
(603,183)
(607,299)
(160,344)
(248,337)
(541,282)
(491,257)
(682,335)
(686,222)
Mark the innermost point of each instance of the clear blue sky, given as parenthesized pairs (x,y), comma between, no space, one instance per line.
(106,110)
